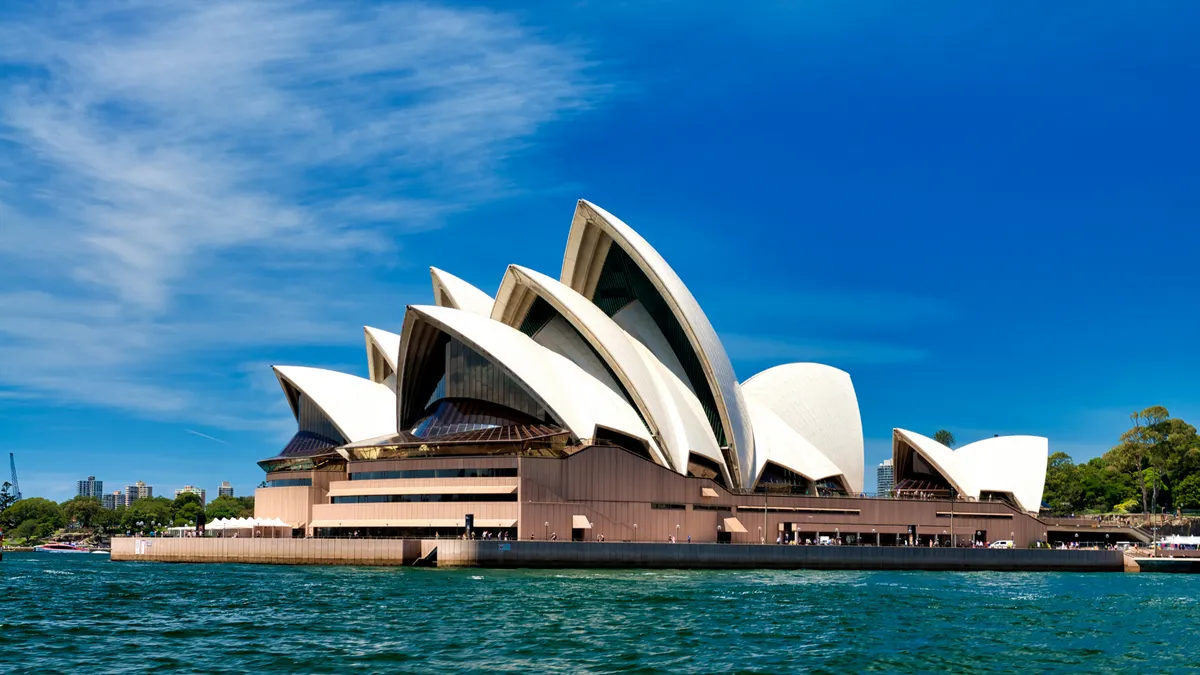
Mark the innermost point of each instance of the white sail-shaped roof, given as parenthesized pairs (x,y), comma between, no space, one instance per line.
(1013,465)
(593,232)
(382,349)
(639,379)
(818,402)
(450,291)
(576,400)
(777,443)
(357,407)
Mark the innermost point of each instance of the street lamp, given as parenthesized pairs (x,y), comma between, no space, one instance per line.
(635,531)
(875,536)
(546,530)
(761,538)
(676,532)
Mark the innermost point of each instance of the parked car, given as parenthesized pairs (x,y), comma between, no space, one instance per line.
(1003,543)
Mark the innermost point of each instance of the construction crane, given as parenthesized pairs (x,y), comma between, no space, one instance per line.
(16,487)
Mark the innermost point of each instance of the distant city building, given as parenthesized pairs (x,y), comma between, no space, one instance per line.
(192,489)
(226,490)
(138,490)
(112,500)
(90,487)
(885,477)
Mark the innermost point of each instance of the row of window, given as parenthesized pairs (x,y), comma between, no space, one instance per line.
(383,499)
(290,482)
(503,472)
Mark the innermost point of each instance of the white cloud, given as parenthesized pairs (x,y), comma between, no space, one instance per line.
(184,181)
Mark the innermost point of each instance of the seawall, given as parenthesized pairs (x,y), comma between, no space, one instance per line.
(512,554)
(268,551)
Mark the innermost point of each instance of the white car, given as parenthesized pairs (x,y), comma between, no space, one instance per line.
(1003,543)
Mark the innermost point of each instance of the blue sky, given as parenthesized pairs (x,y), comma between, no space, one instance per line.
(985,213)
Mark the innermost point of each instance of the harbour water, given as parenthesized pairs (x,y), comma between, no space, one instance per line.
(84,613)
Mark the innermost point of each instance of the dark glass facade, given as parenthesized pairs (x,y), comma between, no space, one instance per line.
(290,482)
(458,415)
(621,282)
(503,472)
(383,499)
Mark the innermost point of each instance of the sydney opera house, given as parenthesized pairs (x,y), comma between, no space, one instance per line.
(602,405)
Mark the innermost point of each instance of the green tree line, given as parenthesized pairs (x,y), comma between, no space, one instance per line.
(1154,466)
(36,519)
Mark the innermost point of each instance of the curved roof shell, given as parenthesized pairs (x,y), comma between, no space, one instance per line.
(450,291)
(594,233)
(357,407)
(776,442)
(1015,465)
(382,349)
(576,400)
(639,377)
(818,402)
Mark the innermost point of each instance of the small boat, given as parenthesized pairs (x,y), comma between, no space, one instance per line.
(102,552)
(59,547)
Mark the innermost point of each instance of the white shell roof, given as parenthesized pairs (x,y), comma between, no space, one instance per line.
(386,344)
(776,442)
(577,400)
(1011,464)
(686,414)
(818,402)
(358,407)
(640,378)
(450,291)
(717,368)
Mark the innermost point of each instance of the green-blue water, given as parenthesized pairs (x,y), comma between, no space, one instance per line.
(83,613)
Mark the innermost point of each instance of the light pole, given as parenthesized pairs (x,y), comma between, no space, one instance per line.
(952,500)
(546,531)
(761,538)
(875,536)
(676,532)
(635,532)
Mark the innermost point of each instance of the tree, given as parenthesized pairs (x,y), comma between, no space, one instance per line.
(1062,491)
(186,508)
(1132,455)
(32,518)
(1173,454)
(82,510)
(1187,493)
(7,498)
(945,438)
(224,507)
(147,511)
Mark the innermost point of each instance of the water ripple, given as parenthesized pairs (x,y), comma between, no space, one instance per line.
(69,613)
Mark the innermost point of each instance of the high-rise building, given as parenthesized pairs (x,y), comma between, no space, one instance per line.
(192,489)
(138,490)
(885,478)
(226,490)
(112,500)
(90,487)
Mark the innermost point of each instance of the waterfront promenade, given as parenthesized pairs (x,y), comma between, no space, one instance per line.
(546,554)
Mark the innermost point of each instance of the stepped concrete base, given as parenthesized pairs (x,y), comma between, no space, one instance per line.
(492,553)
(459,553)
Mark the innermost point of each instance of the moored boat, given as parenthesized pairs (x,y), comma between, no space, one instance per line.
(60,547)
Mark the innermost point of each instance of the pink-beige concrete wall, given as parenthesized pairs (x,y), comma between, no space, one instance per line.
(615,490)
(268,551)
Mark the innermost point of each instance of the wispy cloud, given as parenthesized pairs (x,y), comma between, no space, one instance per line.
(183,181)
(759,349)
(211,438)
